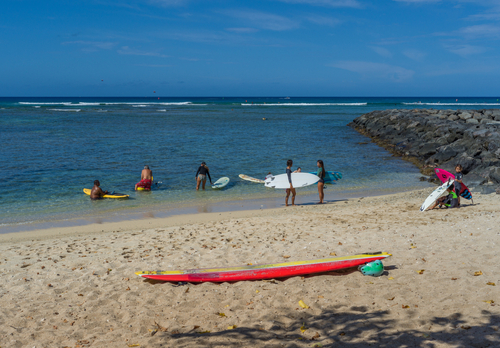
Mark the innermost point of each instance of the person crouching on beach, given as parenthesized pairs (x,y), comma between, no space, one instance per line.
(449,201)
(321,183)
(97,192)
(146,179)
(289,164)
(201,176)
(458,180)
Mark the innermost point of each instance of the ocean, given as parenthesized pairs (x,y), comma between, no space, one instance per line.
(52,148)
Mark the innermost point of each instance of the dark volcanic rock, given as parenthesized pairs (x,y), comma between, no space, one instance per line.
(441,138)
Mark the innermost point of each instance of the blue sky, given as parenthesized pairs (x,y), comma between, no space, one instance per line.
(250,48)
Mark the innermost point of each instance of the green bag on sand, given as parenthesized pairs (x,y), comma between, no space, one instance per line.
(374,268)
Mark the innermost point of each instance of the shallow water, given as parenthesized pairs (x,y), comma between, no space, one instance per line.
(54,147)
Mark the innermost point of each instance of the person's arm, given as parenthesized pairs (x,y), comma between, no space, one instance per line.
(289,174)
(197,172)
(208,173)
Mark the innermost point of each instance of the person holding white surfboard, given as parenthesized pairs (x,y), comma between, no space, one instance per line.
(289,164)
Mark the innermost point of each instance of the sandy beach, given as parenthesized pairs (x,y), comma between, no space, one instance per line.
(76,286)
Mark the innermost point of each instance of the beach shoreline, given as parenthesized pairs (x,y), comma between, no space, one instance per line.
(436,289)
(169,215)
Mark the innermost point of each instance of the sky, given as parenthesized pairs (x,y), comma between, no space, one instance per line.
(250,48)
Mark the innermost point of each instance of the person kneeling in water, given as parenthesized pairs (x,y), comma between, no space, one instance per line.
(449,201)
(146,179)
(97,192)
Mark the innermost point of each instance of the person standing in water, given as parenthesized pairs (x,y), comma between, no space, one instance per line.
(321,183)
(201,176)
(289,164)
(146,179)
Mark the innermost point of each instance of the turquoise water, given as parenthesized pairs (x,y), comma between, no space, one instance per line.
(54,147)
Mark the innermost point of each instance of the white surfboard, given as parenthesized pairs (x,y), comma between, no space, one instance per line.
(249,178)
(435,195)
(298,180)
(222,182)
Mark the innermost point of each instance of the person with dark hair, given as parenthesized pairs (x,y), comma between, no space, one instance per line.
(458,180)
(146,179)
(321,183)
(448,201)
(289,164)
(201,176)
(97,192)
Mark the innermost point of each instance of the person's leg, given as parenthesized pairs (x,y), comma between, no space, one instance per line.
(293,196)
(321,193)
(204,182)
(198,182)
(135,187)
(287,195)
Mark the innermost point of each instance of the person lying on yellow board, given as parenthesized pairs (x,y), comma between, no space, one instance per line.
(146,179)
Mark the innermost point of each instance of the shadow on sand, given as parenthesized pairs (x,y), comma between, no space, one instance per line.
(353,327)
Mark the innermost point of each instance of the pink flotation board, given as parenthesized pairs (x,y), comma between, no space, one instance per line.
(443,175)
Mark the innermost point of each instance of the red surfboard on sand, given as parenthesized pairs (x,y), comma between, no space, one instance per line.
(443,175)
(265,271)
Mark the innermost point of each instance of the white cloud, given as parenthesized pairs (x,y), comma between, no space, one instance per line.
(376,70)
(130,51)
(384,52)
(417,1)
(322,20)
(414,54)
(92,46)
(242,30)
(481,30)
(167,3)
(466,50)
(327,3)
(264,20)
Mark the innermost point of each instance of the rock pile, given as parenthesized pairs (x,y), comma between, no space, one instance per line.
(441,138)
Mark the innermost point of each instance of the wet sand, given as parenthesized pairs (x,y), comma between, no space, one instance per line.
(76,287)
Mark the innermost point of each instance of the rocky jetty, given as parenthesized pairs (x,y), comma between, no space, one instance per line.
(441,138)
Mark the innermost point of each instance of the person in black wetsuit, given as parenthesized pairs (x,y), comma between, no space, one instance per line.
(321,183)
(289,164)
(201,176)
(458,180)
(448,201)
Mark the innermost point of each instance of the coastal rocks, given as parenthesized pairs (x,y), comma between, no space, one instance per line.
(472,121)
(464,115)
(441,138)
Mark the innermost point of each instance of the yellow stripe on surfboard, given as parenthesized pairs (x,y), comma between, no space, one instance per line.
(264,266)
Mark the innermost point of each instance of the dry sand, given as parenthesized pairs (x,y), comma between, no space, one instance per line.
(76,287)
